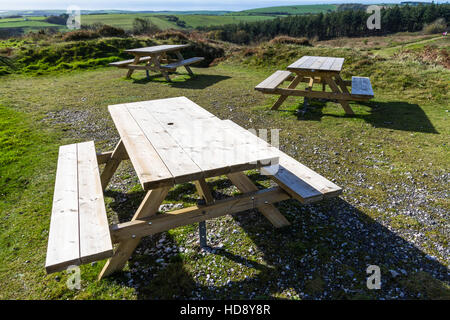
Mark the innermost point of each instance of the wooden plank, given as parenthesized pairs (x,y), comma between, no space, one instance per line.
(318,63)
(104,157)
(274,80)
(299,62)
(317,94)
(301,182)
(127,62)
(113,163)
(204,191)
(130,70)
(337,64)
(95,240)
(150,169)
(180,58)
(166,221)
(344,102)
(181,63)
(307,63)
(341,83)
(283,97)
(157,49)
(362,86)
(245,185)
(213,147)
(63,247)
(327,64)
(180,165)
(148,208)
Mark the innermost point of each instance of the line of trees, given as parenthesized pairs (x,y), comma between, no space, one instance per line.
(347,23)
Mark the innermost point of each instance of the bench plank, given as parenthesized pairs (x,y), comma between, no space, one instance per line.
(299,181)
(182,63)
(95,239)
(63,241)
(151,174)
(274,80)
(362,86)
(79,231)
(127,62)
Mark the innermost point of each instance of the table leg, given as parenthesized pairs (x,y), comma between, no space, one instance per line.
(112,164)
(341,84)
(293,85)
(136,61)
(204,191)
(306,99)
(180,57)
(148,207)
(330,81)
(158,66)
(244,184)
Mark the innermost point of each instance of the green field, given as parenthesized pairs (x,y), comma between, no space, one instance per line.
(125,21)
(192,19)
(292,10)
(391,159)
(28,24)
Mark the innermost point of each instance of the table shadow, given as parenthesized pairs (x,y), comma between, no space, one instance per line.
(397,115)
(198,81)
(328,246)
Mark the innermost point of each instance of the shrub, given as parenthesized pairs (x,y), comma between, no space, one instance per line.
(203,49)
(62,19)
(437,26)
(80,35)
(144,26)
(290,40)
(110,31)
(171,34)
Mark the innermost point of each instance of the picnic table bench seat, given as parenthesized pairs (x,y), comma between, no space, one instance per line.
(361,86)
(125,63)
(274,80)
(298,180)
(182,63)
(79,231)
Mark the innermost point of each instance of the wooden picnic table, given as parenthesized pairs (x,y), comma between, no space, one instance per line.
(168,141)
(319,70)
(153,57)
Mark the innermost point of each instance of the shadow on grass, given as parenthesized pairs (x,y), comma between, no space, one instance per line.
(328,247)
(182,80)
(397,115)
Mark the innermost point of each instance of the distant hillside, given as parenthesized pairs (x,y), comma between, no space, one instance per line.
(290,10)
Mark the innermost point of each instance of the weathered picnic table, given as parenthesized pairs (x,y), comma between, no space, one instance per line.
(153,57)
(320,70)
(169,142)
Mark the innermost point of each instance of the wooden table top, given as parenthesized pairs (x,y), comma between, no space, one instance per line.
(157,49)
(174,140)
(312,63)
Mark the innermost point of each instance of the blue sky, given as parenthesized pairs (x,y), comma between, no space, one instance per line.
(161,4)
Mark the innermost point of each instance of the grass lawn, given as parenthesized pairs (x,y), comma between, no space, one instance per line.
(391,159)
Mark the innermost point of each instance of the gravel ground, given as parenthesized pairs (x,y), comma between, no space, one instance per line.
(323,255)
